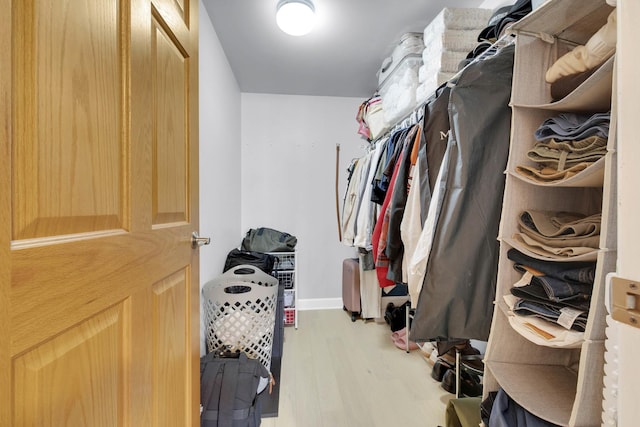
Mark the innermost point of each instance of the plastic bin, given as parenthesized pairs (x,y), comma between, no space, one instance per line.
(287,278)
(239,310)
(289,316)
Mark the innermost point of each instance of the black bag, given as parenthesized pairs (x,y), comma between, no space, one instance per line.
(268,240)
(228,390)
(264,262)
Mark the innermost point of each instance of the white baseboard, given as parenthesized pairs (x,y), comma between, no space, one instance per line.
(319,304)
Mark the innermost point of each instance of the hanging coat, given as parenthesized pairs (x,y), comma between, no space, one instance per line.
(456,299)
(378,238)
(395,247)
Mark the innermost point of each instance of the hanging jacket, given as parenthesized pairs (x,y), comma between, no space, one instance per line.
(350,204)
(395,247)
(367,209)
(378,239)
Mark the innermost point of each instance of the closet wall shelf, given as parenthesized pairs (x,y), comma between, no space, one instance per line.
(520,197)
(592,176)
(565,20)
(558,383)
(523,141)
(575,342)
(593,95)
(551,387)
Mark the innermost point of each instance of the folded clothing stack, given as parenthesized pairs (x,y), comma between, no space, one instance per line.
(559,235)
(447,40)
(551,301)
(567,144)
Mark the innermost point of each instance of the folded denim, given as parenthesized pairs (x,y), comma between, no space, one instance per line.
(541,331)
(549,175)
(553,253)
(561,224)
(547,311)
(535,292)
(574,126)
(581,272)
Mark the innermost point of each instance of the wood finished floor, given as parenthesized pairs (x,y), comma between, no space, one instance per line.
(338,373)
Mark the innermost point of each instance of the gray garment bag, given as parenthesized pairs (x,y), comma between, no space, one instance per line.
(456,300)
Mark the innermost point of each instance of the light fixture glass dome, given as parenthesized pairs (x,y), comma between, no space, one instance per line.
(295,17)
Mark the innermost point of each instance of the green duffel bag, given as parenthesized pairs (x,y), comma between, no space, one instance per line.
(265,239)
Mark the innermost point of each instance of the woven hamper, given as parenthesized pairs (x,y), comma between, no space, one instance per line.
(240,312)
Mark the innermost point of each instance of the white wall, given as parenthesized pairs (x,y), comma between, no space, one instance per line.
(288,181)
(219,152)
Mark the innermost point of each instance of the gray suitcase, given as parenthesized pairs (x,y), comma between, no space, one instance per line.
(351,287)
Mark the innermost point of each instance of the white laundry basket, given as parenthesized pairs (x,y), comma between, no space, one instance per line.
(240,312)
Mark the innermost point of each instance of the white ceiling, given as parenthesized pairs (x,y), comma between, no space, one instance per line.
(339,57)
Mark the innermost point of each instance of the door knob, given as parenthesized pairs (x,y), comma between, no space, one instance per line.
(197,241)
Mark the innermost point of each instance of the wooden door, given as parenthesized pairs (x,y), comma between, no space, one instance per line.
(98,199)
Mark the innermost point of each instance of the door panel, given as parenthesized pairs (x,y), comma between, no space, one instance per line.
(58,382)
(170,78)
(176,11)
(170,347)
(52,280)
(68,125)
(98,153)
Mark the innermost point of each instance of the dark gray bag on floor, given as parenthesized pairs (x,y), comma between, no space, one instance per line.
(228,391)
(265,239)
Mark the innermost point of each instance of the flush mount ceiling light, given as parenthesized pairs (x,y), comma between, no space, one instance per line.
(295,17)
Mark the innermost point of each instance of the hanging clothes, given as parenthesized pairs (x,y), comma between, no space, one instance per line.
(456,299)
(363,171)
(379,237)
(367,211)
(410,226)
(395,248)
(386,165)
(420,257)
(351,201)
(430,157)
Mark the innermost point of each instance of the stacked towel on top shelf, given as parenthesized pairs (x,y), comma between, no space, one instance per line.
(447,41)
